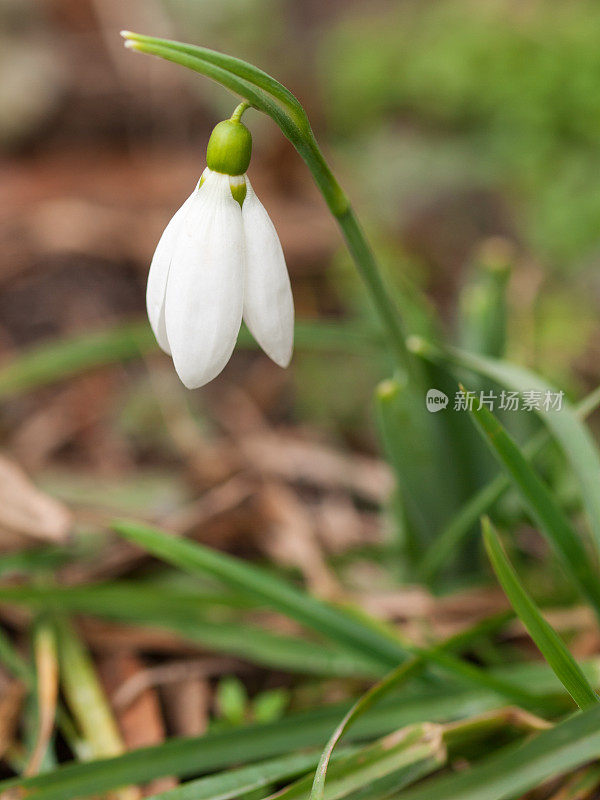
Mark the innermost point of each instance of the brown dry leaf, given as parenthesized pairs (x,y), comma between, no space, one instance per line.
(286,457)
(46,669)
(71,411)
(112,636)
(208,462)
(282,455)
(214,503)
(11,700)
(25,511)
(188,706)
(174,672)
(424,618)
(290,540)
(341,526)
(141,721)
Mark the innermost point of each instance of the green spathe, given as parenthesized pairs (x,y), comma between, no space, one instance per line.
(229,148)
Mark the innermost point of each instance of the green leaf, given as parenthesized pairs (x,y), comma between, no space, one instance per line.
(241,781)
(398,759)
(572,435)
(185,613)
(199,60)
(270,705)
(263,586)
(213,751)
(550,644)
(14,661)
(483,310)
(392,682)
(242,69)
(339,626)
(462,523)
(541,505)
(85,695)
(518,768)
(231,699)
(412,443)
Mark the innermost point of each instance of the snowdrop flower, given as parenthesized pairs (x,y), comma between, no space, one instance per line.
(220,260)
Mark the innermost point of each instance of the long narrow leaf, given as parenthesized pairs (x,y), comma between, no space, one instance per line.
(213,751)
(541,505)
(242,69)
(399,759)
(573,437)
(481,502)
(543,634)
(483,317)
(519,768)
(248,89)
(269,589)
(236,782)
(185,614)
(339,626)
(393,681)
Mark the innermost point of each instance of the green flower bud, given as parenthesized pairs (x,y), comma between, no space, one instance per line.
(229,148)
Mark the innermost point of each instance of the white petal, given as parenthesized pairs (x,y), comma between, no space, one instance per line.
(205,289)
(159,272)
(268,301)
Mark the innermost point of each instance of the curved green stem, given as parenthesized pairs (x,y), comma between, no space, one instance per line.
(239,110)
(263,92)
(359,248)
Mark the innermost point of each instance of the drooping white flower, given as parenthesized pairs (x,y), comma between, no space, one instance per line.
(220,260)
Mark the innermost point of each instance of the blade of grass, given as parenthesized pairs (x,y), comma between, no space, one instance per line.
(541,505)
(403,757)
(573,437)
(46,662)
(184,613)
(213,751)
(518,768)
(332,622)
(149,606)
(234,783)
(240,781)
(483,299)
(20,668)
(13,661)
(462,523)
(391,682)
(344,628)
(543,634)
(87,701)
(55,361)
(411,441)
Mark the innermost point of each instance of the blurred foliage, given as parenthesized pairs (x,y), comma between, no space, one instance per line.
(501,93)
